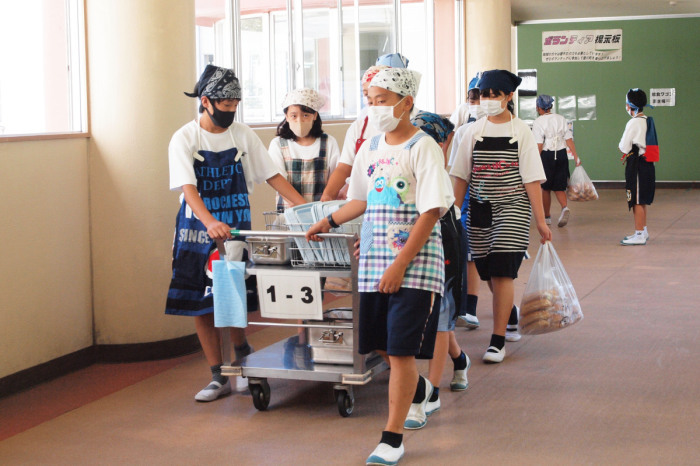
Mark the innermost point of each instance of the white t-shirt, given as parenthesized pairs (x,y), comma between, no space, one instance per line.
(297,151)
(457,140)
(257,164)
(530,163)
(552,131)
(635,133)
(426,161)
(353,133)
(460,116)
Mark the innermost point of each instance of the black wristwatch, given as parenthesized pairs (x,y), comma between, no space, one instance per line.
(331,221)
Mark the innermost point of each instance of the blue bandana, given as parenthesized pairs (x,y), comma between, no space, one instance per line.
(434,125)
(545,101)
(394,60)
(499,80)
(474,83)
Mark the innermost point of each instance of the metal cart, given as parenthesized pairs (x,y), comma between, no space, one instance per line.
(284,359)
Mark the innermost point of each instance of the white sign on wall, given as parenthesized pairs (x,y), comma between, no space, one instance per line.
(663,97)
(585,45)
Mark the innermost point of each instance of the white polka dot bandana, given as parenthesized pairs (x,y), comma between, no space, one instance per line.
(306,97)
(400,80)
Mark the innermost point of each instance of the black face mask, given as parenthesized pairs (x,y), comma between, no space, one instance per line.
(221,118)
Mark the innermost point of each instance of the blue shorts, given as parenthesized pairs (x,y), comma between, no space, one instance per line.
(402,323)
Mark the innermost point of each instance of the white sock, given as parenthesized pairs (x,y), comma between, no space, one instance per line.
(645,230)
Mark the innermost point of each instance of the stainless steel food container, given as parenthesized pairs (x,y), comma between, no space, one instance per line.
(263,250)
(332,345)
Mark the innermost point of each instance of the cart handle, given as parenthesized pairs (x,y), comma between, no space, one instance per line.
(288,234)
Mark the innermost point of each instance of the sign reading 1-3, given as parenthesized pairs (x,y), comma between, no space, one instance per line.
(290,295)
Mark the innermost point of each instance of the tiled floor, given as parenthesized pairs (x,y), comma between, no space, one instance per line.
(621,387)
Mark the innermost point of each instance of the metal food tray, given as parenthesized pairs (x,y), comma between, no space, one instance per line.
(287,359)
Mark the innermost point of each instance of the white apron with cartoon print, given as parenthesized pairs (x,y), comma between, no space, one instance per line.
(390,215)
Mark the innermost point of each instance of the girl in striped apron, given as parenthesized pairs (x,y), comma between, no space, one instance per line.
(499,161)
(304,154)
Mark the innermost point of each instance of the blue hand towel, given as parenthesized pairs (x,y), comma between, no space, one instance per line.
(230,308)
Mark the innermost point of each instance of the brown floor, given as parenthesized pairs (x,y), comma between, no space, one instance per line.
(621,387)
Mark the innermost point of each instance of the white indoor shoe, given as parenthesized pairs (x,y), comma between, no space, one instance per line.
(385,455)
(213,391)
(635,240)
(564,217)
(494,355)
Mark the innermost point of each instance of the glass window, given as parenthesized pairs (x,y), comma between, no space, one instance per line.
(42,83)
(327,45)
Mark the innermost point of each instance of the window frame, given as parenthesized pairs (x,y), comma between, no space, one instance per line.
(77,92)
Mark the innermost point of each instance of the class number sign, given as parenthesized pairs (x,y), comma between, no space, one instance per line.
(290,295)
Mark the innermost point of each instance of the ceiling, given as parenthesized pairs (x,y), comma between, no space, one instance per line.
(531,10)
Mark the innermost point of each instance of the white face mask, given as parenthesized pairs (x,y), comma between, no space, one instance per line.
(492,107)
(301,129)
(476,111)
(382,117)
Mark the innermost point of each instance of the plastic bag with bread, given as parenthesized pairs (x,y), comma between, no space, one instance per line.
(549,301)
(580,187)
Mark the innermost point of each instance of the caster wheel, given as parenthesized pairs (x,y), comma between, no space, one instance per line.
(345,401)
(260,393)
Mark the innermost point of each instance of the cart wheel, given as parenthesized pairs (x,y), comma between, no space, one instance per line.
(345,401)
(261,394)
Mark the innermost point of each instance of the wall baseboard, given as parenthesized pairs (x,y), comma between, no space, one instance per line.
(83,358)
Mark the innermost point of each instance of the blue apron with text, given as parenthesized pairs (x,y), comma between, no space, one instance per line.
(222,186)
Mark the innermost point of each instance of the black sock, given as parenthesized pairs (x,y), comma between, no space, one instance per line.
(513,319)
(392,439)
(460,362)
(436,394)
(216,374)
(499,341)
(472,299)
(420,391)
(242,351)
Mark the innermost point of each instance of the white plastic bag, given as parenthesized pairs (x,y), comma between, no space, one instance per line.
(549,301)
(580,186)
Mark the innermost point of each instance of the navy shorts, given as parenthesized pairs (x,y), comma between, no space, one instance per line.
(556,169)
(499,264)
(402,323)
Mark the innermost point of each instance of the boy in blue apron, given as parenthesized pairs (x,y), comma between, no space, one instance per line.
(214,162)
(498,161)
(400,184)
(639,148)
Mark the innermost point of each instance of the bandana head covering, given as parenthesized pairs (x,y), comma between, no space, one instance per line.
(217,83)
(499,80)
(400,80)
(636,99)
(372,72)
(474,83)
(436,126)
(394,60)
(544,101)
(306,97)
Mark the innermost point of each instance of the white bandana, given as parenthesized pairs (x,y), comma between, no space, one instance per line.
(399,80)
(306,97)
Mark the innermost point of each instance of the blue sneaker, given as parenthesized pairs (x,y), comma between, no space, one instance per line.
(417,416)
(385,455)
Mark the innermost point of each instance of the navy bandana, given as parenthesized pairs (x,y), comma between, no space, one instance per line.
(217,83)
(499,80)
